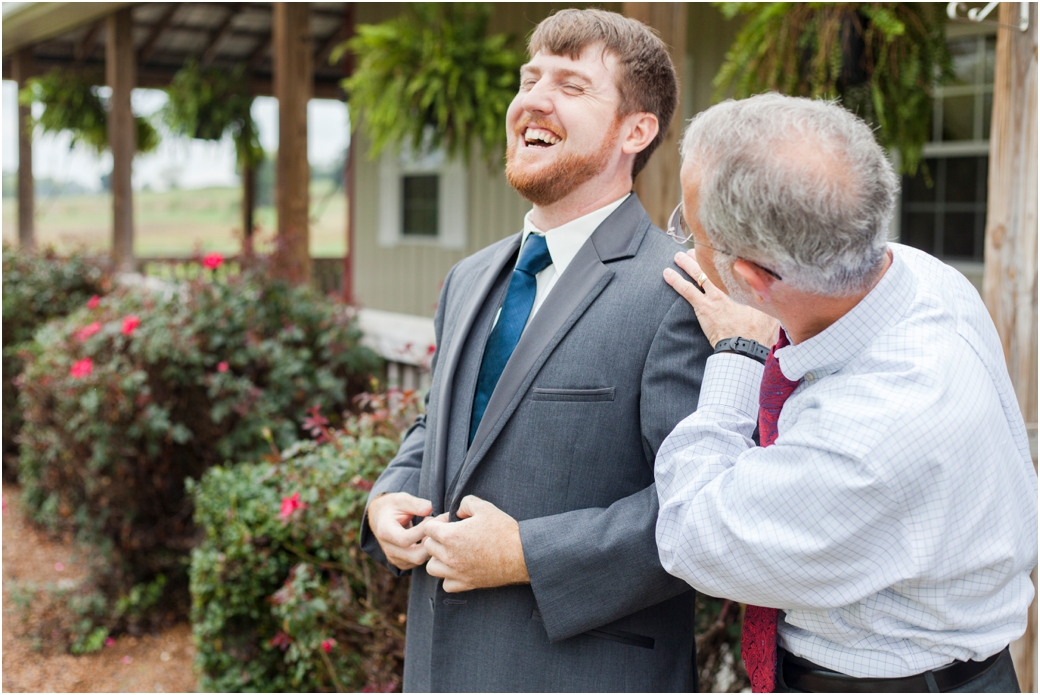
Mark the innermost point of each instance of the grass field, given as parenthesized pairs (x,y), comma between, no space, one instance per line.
(175,223)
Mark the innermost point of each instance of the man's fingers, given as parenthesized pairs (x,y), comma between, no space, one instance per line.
(400,536)
(435,549)
(453,586)
(684,287)
(416,506)
(470,505)
(436,568)
(436,528)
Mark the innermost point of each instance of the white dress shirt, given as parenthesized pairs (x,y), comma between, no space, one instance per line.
(894,520)
(563,243)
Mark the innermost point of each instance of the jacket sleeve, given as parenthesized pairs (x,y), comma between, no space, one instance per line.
(590,567)
(402,473)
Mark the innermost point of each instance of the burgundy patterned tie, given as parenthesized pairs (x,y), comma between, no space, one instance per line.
(758,637)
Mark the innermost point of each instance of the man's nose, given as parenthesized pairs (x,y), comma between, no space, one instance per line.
(538,100)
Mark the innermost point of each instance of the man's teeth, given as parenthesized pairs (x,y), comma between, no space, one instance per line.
(540,135)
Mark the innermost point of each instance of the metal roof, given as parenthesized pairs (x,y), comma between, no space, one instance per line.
(72,35)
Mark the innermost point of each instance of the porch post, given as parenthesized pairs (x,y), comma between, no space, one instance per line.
(22,71)
(121,73)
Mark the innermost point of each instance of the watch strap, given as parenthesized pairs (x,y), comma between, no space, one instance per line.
(743,346)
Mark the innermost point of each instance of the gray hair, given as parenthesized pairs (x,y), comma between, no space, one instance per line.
(797,185)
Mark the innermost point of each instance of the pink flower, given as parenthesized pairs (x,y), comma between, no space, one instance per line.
(109,642)
(363,485)
(127,659)
(222,367)
(59,566)
(81,369)
(87,331)
(93,302)
(328,644)
(290,505)
(281,640)
(213,260)
(130,324)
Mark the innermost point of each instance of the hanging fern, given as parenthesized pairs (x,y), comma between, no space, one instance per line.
(432,78)
(205,103)
(71,102)
(882,59)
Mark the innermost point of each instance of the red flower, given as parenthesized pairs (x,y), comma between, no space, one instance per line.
(281,640)
(328,644)
(130,324)
(82,368)
(87,331)
(290,505)
(363,484)
(213,260)
(93,302)
(222,367)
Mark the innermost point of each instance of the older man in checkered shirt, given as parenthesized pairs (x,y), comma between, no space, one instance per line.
(884,533)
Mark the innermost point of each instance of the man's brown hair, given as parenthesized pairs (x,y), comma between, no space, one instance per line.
(647,79)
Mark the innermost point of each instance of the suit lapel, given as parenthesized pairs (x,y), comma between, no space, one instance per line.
(587,275)
(481,287)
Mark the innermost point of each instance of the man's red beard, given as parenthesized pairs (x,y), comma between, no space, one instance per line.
(558,180)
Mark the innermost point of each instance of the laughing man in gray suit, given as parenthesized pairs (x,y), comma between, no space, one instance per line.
(563,361)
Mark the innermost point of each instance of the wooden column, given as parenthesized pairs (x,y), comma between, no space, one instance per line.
(22,70)
(658,184)
(1010,277)
(121,74)
(293,83)
(248,206)
(349,181)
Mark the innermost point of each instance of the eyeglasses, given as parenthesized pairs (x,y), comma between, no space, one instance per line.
(681,233)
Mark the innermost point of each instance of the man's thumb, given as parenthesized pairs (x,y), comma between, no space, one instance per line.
(416,506)
(469,506)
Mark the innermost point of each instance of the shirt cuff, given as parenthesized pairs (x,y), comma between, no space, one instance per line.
(732,381)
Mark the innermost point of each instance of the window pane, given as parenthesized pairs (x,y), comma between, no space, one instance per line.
(420,205)
(917,189)
(918,230)
(991,59)
(957,118)
(987,114)
(959,235)
(964,53)
(961,179)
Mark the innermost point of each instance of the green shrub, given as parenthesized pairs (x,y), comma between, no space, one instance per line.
(126,400)
(37,287)
(283,599)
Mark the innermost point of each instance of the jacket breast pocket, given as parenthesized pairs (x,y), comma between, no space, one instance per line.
(573,395)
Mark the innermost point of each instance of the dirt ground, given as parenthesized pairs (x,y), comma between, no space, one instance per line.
(150,663)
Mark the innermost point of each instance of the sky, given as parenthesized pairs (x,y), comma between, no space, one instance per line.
(180,161)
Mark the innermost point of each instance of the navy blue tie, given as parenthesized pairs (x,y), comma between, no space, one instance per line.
(511,321)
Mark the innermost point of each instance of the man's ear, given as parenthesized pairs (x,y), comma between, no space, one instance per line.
(759,280)
(641,131)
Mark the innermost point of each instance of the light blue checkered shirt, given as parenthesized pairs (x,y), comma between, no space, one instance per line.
(894,521)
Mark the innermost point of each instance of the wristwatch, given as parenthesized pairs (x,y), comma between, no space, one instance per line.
(743,346)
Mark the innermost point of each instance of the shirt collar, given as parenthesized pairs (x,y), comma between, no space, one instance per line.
(833,348)
(565,240)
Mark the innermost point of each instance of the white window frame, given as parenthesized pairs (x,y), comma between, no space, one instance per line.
(452,201)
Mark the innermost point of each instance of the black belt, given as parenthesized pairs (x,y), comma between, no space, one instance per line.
(802,674)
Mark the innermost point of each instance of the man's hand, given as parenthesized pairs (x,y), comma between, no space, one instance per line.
(720,317)
(481,551)
(390,518)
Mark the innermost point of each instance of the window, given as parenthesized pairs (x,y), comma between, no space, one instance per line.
(943,208)
(422,200)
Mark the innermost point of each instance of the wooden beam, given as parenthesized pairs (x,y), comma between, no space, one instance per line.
(293,78)
(1010,277)
(148,47)
(658,184)
(350,175)
(22,68)
(120,69)
(218,35)
(85,47)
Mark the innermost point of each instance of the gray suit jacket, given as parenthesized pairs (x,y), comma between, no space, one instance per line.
(611,362)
